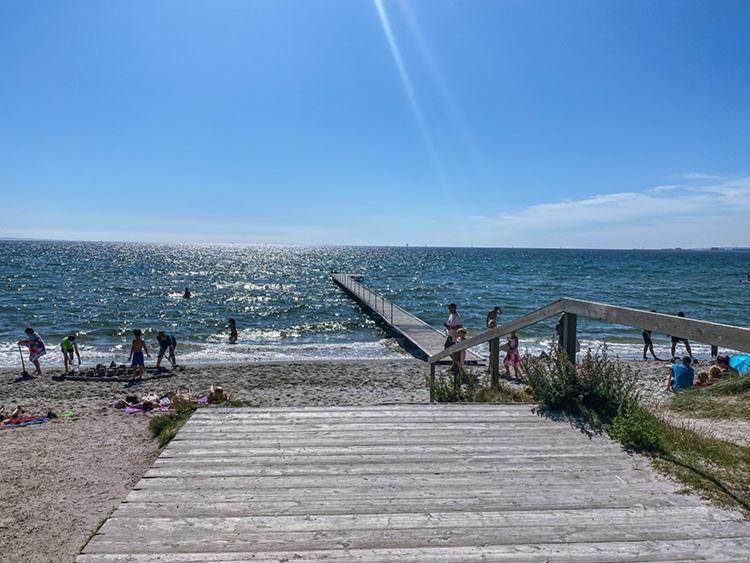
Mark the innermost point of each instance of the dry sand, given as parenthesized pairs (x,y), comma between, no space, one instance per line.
(62,478)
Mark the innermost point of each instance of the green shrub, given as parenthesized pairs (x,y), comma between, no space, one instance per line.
(598,388)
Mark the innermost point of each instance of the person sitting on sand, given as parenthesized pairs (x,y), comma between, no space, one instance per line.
(681,376)
(36,347)
(167,344)
(136,354)
(512,356)
(492,317)
(232,330)
(720,369)
(187,294)
(69,347)
(677,339)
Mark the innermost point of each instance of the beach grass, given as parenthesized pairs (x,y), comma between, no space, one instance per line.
(445,390)
(601,393)
(726,399)
(164,427)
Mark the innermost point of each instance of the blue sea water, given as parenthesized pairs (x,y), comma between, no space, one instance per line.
(286,306)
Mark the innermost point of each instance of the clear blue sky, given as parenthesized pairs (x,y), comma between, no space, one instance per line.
(502,123)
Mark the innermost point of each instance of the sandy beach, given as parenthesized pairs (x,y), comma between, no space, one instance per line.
(62,478)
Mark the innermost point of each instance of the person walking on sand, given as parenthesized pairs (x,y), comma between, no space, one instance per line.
(36,347)
(69,347)
(232,330)
(136,354)
(167,344)
(492,317)
(512,356)
(677,339)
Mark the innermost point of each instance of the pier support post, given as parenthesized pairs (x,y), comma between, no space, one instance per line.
(569,335)
(495,362)
(432,383)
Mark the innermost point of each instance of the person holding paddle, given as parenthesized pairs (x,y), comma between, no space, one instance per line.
(36,347)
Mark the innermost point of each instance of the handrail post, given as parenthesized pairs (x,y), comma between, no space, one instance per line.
(495,362)
(569,335)
(432,383)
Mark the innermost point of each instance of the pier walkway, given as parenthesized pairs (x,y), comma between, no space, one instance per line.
(426,339)
(432,483)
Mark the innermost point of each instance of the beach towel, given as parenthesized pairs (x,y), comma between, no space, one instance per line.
(741,363)
(25,421)
(133,410)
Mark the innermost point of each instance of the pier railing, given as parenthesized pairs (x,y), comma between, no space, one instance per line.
(716,334)
(374,299)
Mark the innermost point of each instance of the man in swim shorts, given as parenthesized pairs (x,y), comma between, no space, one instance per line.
(69,346)
(167,344)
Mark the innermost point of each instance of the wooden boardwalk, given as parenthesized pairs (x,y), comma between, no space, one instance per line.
(425,338)
(431,483)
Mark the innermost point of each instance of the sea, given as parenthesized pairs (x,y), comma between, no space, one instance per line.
(287,307)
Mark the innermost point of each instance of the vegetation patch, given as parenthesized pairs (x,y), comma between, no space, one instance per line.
(165,426)
(726,399)
(448,389)
(602,393)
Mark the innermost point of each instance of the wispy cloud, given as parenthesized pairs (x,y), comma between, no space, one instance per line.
(668,215)
(701,176)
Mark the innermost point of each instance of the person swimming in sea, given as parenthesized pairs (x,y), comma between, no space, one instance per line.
(187,294)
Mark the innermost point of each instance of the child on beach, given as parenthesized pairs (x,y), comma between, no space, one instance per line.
(36,347)
(492,317)
(69,346)
(136,354)
(512,357)
(460,358)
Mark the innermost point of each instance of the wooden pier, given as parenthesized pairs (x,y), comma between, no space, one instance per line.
(432,483)
(424,338)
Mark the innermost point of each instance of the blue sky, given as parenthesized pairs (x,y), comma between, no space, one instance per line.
(498,123)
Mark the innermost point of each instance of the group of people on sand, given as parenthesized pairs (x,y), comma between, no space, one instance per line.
(457,333)
(681,373)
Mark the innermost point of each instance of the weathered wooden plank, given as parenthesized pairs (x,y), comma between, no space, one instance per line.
(394,408)
(198,539)
(719,549)
(374,503)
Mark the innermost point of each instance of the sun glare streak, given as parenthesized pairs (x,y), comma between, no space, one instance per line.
(444,89)
(409,90)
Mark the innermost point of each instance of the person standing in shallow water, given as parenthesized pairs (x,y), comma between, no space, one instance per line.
(188,294)
(232,330)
